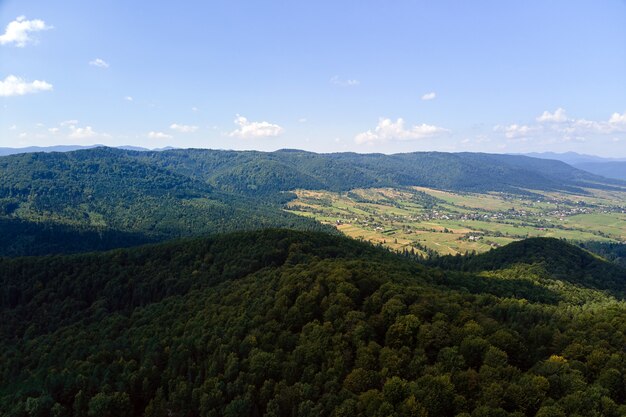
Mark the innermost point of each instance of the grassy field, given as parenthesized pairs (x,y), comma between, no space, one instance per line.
(425,220)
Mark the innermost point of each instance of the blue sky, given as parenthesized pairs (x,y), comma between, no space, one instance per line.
(364,76)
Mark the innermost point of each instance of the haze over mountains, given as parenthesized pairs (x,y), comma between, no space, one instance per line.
(606,167)
(67,148)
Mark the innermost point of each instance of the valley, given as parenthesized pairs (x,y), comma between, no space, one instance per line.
(424,220)
(312,209)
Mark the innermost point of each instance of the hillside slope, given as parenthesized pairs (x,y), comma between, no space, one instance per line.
(284,323)
(612,169)
(154,196)
(557,260)
(105,198)
(268,172)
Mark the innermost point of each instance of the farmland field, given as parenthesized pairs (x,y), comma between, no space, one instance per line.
(424,220)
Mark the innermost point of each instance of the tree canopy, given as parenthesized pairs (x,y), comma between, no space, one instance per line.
(287,323)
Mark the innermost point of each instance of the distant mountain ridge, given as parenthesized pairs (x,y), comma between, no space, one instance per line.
(70,148)
(614,168)
(252,172)
(159,195)
(611,169)
(571,158)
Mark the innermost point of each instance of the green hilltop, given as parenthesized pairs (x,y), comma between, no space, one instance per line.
(288,323)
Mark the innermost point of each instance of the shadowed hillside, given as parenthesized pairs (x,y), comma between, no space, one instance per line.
(284,323)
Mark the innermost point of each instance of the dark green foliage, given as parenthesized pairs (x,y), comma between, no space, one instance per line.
(21,237)
(261,173)
(105,198)
(549,257)
(115,198)
(614,252)
(285,323)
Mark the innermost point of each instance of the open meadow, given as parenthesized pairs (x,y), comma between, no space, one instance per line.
(425,220)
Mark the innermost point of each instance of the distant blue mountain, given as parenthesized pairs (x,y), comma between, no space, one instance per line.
(610,169)
(70,148)
(607,167)
(572,158)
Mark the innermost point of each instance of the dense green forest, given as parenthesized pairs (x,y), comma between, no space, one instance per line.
(555,258)
(253,172)
(287,323)
(614,252)
(104,198)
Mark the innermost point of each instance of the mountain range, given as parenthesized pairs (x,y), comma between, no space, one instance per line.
(103,198)
(607,167)
(201,296)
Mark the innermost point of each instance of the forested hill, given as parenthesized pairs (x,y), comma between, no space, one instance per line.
(554,258)
(104,198)
(258,173)
(285,323)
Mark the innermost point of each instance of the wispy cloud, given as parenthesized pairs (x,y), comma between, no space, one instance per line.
(99,62)
(429,96)
(16,86)
(558,116)
(516,131)
(159,135)
(183,128)
(558,126)
(82,132)
(251,130)
(128,98)
(388,130)
(77,132)
(336,80)
(17,32)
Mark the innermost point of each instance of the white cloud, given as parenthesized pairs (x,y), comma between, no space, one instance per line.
(83,132)
(128,98)
(302,120)
(183,128)
(159,135)
(429,96)
(53,130)
(388,130)
(13,127)
(336,80)
(558,126)
(16,86)
(618,119)
(250,130)
(194,109)
(72,122)
(516,131)
(18,31)
(100,63)
(559,116)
